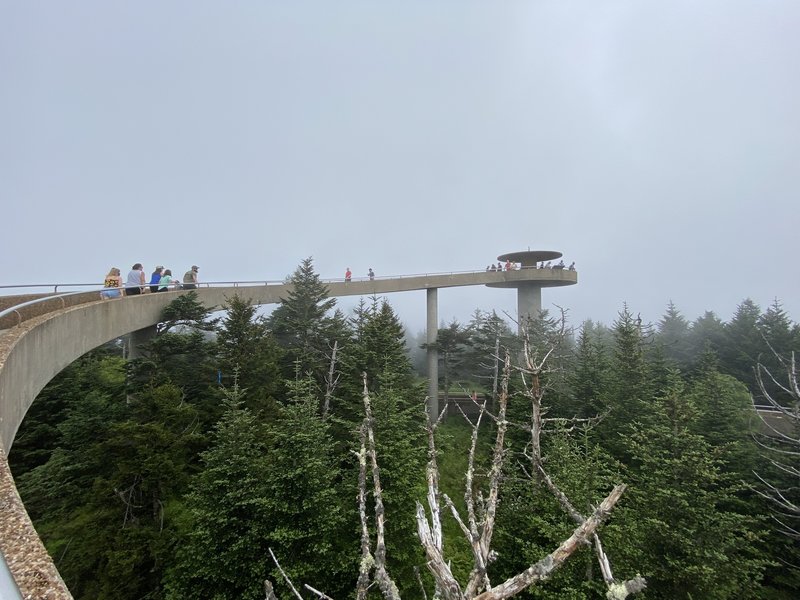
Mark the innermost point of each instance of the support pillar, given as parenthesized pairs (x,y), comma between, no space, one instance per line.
(137,338)
(433,353)
(529,303)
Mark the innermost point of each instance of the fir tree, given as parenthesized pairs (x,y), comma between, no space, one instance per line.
(301,323)
(224,550)
(302,483)
(673,337)
(246,346)
(676,524)
(707,334)
(588,378)
(743,343)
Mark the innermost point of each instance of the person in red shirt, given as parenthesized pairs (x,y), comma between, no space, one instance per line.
(348,275)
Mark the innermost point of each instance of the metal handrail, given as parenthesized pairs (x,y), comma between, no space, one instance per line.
(55,286)
(265,282)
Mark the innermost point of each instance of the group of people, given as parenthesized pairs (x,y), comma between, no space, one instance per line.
(348,275)
(509,266)
(161,280)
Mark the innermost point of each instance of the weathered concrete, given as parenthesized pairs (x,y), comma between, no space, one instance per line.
(42,340)
(432,335)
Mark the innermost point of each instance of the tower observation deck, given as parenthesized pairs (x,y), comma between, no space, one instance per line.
(529,289)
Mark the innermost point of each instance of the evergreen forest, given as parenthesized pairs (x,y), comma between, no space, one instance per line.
(585,461)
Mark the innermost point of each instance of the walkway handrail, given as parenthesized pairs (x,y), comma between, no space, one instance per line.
(29,308)
(99,285)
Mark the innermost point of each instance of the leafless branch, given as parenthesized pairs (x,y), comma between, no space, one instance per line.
(387,586)
(317,592)
(283,573)
(367,560)
(331,381)
(542,569)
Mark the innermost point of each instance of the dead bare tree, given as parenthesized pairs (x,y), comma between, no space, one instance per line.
(481,508)
(331,381)
(479,531)
(782,444)
(536,365)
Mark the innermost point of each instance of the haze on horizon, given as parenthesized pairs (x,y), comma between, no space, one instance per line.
(655,144)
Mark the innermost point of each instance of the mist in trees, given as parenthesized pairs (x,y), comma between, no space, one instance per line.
(173,475)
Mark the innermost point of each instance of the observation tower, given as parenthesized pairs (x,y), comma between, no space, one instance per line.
(529,279)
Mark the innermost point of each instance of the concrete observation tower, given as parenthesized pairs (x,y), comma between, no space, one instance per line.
(529,280)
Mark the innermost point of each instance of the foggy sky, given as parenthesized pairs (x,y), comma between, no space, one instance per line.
(657,144)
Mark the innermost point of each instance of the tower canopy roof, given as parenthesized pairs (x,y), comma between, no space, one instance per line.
(530,257)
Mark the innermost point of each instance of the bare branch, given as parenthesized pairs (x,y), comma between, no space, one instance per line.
(367,560)
(387,586)
(419,580)
(317,592)
(331,381)
(283,573)
(542,569)
(446,584)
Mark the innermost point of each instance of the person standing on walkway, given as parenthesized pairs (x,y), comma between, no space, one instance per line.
(112,285)
(190,278)
(135,283)
(165,282)
(371,274)
(348,275)
(154,278)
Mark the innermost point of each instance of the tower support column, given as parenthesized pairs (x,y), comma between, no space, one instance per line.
(433,353)
(137,338)
(529,303)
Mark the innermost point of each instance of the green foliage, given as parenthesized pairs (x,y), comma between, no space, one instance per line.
(451,344)
(98,371)
(489,337)
(306,517)
(223,553)
(675,525)
(301,323)
(742,343)
(673,337)
(188,312)
(246,347)
(158,483)
(400,446)
(589,378)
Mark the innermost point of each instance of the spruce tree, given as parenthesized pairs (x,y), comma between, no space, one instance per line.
(223,553)
(299,322)
(743,343)
(707,334)
(673,337)
(306,521)
(676,525)
(246,347)
(630,384)
(588,378)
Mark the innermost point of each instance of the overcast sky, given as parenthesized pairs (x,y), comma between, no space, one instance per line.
(657,144)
